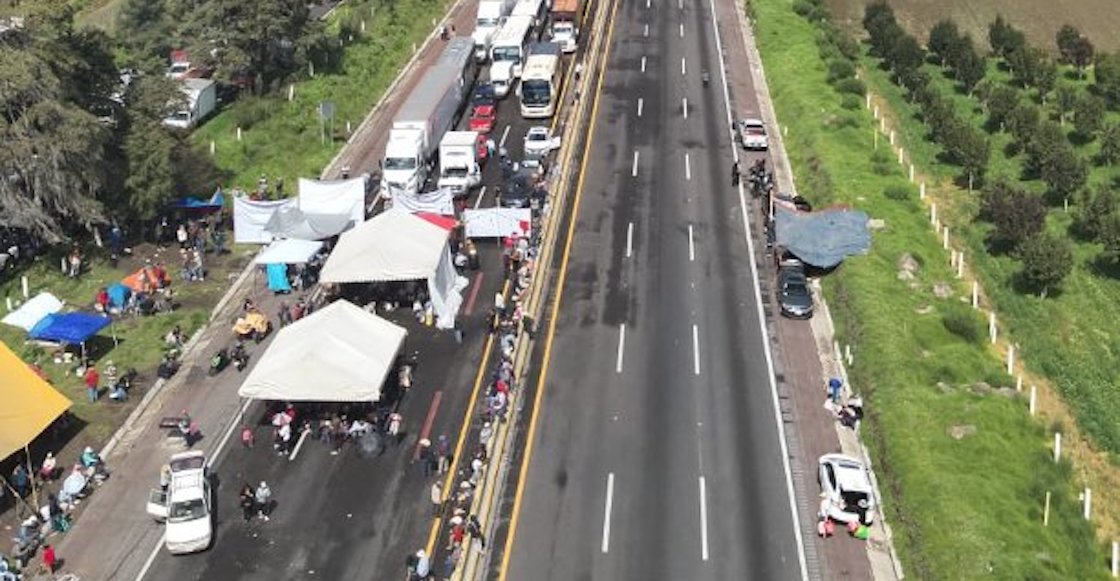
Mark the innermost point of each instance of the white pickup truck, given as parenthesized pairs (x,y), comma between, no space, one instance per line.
(186,505)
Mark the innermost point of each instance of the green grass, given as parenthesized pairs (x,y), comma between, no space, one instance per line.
(282,138)
(960,509)
(1068,337)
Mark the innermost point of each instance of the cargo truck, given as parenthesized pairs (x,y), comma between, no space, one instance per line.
(201,98)
(431,110)
(491,15)
(565,23)
(459,168)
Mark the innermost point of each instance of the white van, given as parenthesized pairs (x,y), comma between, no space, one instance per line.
(186,506)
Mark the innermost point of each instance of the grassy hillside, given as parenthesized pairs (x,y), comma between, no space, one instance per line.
(963,468)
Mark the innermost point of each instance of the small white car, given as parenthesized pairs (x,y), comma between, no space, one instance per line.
(186,505)
(752,134)
(538,144)
(846,490)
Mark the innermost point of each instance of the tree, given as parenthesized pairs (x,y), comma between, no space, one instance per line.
(1002,100)
(1004,38)
(1045,77)
(149,149)
(905,55)
(1066,37)
(54,150)
(1023,122)
(942,37)
(149,29)
(1044,143)
(1095,213)
(1064,173)
(1088,115)
(1107,73)
(1015,213)
(1110,238)
(1066,97)
(1110,144)
(1047,261)
(973,151)
(878,21)
(970,68)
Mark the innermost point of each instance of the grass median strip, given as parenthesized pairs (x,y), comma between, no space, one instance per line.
(963,468)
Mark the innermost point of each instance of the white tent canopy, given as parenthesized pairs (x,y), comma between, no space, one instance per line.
(33,311)
(250,218)
(339,353)
(288,252)
(394,245)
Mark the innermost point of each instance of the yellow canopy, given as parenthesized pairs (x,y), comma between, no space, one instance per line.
(30,404)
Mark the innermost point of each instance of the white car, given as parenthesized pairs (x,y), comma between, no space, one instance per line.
(752,134)
(846,493)
(186,505)
(538,143)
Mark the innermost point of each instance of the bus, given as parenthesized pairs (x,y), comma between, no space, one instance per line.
(541,80)
(536,9)
(507,53)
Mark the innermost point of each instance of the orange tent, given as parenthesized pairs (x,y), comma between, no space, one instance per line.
(146,279)
(30,403)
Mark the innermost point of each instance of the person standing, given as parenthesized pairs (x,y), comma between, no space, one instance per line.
(92,380)
(735,174)
(165,477)
(437,497)
(834,390)
(500,304)
(248,501)
(263,499)
(50,559)
(394,428)
(475,529)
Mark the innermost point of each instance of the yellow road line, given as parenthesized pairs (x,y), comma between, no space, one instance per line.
(547,359)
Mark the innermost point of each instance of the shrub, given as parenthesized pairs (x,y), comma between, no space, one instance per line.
(839,69)
(251,111)
(851,86)
(962,322)
(882,163)
(851,102)
(899,192)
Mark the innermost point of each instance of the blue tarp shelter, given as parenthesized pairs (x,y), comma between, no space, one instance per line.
(118,295)
(69,327)
(214,203)
(278,278)
(823,238)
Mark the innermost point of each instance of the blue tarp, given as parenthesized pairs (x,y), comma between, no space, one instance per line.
(215,202)
(822,239)
(278,278)
(69,327)
(118,295)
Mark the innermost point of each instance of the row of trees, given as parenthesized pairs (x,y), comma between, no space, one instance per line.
(81,148)
(964,145)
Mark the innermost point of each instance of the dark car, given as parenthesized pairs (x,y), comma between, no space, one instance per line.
(483,94)
(794,296)
(521,189)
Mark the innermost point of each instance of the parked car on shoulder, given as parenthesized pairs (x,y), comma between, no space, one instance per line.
(846,491)
(794,296)
(186,505)
(752,134)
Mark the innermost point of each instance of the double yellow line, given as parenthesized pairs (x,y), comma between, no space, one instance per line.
(563,274)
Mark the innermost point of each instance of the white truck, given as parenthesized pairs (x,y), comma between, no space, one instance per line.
(186,505)
(491,15)
(459,169)
(565,24)
(430,111)
(201,100)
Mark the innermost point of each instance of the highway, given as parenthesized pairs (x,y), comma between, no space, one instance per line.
(656,452)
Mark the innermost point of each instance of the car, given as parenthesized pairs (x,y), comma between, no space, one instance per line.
(538,143)
(794,296)
(483,94)
(846,492)
(482,119)
(521,190)
(752,134)
(186,505)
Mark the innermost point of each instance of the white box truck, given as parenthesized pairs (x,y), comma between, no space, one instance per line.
(186,505)
(431,110)
(459,169)
(507,53)
(490,17)
(565,23)
(201,100)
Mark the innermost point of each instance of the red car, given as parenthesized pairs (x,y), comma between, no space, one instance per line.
(482,119)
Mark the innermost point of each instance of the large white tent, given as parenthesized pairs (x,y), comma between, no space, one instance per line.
(290,251)
(339,353)
(397,245)
(334,197)
(33,311)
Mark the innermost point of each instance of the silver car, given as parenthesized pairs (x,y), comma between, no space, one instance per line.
(846,491)
(538,143)
(752,134)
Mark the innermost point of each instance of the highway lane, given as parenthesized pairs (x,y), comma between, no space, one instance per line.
(657,454)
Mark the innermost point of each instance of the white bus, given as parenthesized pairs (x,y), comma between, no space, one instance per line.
(541,80)
(537,9)
(507,53)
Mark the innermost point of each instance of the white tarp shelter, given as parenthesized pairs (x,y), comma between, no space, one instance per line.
(440,201)
(334,197)
(292,222)
(339,353)
(288,252)
(497,222)
(33,311)
(250,218)
(397,245)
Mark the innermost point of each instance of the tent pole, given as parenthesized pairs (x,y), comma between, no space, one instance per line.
(20,501)
(31,475)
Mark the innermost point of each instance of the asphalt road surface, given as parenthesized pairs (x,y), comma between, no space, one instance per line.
(657,454)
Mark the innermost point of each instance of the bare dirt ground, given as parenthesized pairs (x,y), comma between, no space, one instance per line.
(1039,19)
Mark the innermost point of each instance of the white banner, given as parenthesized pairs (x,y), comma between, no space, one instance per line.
(347,197)
(498,222)
(249,219)
(441,201)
